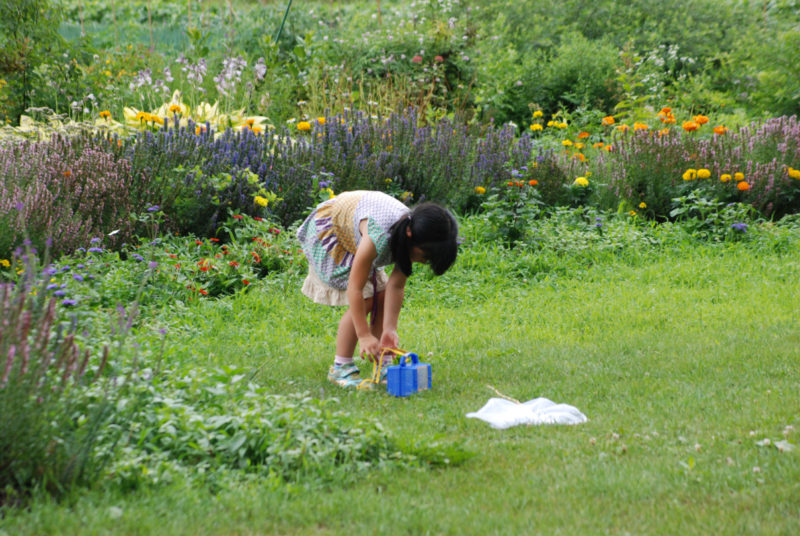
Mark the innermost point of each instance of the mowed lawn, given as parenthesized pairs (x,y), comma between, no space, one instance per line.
(684,364)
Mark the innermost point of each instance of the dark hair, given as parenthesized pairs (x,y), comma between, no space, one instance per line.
(433,229)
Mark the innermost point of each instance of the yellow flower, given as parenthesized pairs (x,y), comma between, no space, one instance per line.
(480,190)
(330,193)
(387,181)
(794,173)
(566,143)
(579,145)
(608,120)
(690,175)
(4,263)
(304,126)
(640,126)
(321,120)
(406,195)
(105,114)
(536,126)
(642,205)
(703,173)
(562,125)
(725,177)
(623,128)
(738,176)
(537,113)
(632,213)
(175,108)
(108,73)
(551,123)
(582,182)
(261,201)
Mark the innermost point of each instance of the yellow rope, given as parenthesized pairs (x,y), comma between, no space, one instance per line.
(375,379)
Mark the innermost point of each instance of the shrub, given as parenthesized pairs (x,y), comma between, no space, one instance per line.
(65,190)
(654,168)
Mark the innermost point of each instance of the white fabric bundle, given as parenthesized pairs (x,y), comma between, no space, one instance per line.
(503,414)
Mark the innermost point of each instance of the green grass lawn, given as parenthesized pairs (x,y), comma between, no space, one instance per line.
(682,363)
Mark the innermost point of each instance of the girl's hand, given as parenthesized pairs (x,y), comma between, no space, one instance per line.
(370,347)
(390,339)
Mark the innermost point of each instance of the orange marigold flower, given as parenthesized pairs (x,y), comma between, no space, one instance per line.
(608,120)
(199,130)
(666,110)
(214,239)
(720,130)
(510,183)
(623,128)
(304,126)
(583,135)
(640,126)
(234,264)
(743,186)
(106,114)
(700,119)
(203,292)
(533,182)
(598,145)
(67,173)
(579,156)
(245,282)
(198,242)
(690,126)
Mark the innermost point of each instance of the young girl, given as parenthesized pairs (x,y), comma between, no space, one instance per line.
(348,240)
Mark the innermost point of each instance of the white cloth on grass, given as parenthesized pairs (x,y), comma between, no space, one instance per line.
(501,413)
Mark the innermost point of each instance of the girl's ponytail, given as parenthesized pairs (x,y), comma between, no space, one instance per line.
(400,244)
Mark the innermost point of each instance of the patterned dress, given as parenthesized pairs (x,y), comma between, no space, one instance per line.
(330,234)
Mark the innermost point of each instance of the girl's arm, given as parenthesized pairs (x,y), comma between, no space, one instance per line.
(395,292)
(359,274)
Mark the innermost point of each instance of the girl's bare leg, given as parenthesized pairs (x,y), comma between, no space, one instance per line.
(346,338)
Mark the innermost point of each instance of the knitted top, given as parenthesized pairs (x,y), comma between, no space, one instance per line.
(330,234)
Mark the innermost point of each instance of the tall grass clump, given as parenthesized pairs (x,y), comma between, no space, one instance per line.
(66,190)
(47,427)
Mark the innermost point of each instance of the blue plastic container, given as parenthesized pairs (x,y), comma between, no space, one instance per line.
(407,378)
